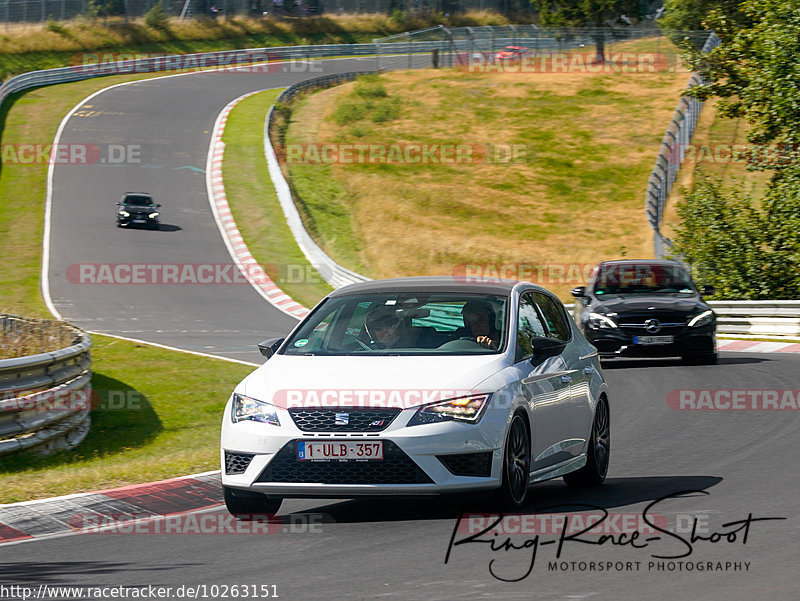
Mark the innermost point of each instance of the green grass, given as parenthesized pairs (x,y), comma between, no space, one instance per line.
(156,421)
(255,205)
(323,201)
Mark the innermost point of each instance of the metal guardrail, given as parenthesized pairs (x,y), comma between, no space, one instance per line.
(758,317)
(333,273)
(45,399)
(670,157)
(179,63)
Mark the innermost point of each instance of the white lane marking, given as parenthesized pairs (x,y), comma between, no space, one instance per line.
(174,348)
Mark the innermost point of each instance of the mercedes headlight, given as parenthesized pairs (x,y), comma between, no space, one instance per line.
(153,215)
(598,321)
(705,318)
(125,213)
(246,408)
(464,409)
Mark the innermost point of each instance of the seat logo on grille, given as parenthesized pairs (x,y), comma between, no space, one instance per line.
(341,419)
(652,326)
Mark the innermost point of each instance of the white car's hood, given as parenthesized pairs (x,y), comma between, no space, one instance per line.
(313,381)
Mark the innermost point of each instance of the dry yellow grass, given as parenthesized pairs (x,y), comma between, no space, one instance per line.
(590,142)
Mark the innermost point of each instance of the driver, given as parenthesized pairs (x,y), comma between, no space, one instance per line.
(480,319)
(383,326)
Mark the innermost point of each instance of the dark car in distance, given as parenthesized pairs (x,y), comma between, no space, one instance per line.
(138,208)
(646,308)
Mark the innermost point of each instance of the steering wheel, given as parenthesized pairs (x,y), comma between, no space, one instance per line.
(361,342)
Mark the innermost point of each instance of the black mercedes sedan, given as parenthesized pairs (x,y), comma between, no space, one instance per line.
(138,208)
(646,308)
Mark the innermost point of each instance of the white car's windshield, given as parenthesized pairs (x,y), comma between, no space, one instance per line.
(404,324)
(641,278)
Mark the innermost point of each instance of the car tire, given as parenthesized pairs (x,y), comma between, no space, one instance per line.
(516,465)
(599,452)
(246,505)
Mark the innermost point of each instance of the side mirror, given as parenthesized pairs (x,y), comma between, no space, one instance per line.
(270,346)
(119,204)
(547,347)
(579,292)
(709,290)
(158,206)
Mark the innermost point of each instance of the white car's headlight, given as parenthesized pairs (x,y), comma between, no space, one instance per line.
(703,319)
(464,409)
(125,213)
(153,215)
(246,408)
(598,321)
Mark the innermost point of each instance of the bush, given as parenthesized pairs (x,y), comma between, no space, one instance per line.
(157,18)
(348,113)
(57,28)
(386,110)
(369,86)
(745,252)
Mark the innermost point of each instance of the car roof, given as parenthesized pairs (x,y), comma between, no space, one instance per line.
(641,261)
(429,284)
(137,194)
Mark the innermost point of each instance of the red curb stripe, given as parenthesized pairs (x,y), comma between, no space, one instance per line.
(8,534)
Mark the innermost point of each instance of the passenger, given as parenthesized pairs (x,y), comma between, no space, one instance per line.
(479,318)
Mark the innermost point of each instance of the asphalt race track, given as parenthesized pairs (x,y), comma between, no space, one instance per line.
(746,461)
(168,122)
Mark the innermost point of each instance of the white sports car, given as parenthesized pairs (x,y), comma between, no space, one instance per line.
(418,386)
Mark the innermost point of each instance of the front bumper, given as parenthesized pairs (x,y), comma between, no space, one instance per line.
(619,342)
(140,220)
(410,465)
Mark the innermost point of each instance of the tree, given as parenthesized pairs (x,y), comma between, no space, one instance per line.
(690,15)
(756,75)
(587,13)
(745,252)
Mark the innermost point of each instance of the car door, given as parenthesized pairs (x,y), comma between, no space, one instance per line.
(579,369)
(545,383)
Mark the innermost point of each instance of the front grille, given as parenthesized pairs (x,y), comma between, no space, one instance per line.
(395,468)
(468,464)
(236,463)
(358,420)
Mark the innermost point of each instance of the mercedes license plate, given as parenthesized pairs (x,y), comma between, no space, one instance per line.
(653,339)
(339,450)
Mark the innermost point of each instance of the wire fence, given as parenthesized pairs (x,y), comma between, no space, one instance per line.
(533,46)
(670,158)
(39,11)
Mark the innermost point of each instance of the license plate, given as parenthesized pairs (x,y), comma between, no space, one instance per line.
(653,340)
(339,450)
(139,220)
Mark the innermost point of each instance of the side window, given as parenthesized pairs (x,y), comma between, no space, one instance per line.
(557,324)
(529,324)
